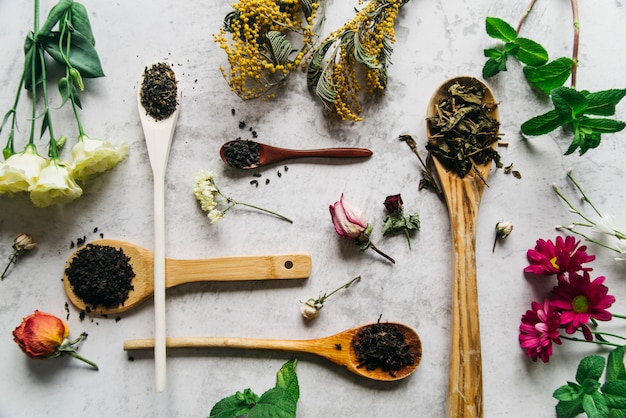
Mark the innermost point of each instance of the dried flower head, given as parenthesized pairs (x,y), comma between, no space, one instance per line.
(23,242)
(311,308)
(396,222)
(503,230)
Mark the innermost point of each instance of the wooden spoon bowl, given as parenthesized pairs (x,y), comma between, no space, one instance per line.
(177,272)
(463,195)
(338,348)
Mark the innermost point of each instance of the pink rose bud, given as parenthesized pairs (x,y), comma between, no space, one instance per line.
(393,204)
(348,220)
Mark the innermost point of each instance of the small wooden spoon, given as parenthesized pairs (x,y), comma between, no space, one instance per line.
(269,154)
(465,392)
(337,348)
(286,266)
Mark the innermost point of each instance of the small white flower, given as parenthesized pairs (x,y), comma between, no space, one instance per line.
(94,156)
(310,309)
(621,246)
(215,215)
(21,171)
(606,225)
(504,228)
(54,185)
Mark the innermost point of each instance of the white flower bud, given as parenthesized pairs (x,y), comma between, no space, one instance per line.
(504,229)
(310,309)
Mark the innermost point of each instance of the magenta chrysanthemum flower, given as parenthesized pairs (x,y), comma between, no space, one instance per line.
(560,257)
(539,329)
(581,299)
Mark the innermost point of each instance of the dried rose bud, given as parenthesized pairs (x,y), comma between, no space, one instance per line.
(503,230)
(310,309)
(348,220)
(393,204)
(24,242)
(42,336)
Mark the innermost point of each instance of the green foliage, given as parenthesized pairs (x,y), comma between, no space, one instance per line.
(278,402)
(572,108)
(587,395)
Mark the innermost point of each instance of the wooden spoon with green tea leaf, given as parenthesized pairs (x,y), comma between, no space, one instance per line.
(338,348)
(462,127)
(177,272)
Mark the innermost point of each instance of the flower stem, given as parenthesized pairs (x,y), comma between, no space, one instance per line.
(573,231)
(262,209)
(608,334)
(373,247)
(525,15)
(576,24)
(11,261)
(81,358)
(582,193)
(592,342)
(345,286)
(619,316)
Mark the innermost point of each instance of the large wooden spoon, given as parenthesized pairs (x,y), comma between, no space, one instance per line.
(267,154)
(337,348)
(465,391)
(286,266)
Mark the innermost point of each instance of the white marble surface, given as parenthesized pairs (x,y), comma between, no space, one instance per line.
(436,40)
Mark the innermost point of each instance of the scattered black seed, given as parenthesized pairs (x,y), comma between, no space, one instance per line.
(81,241)
(257,175)
(118,318)
(254,134)
(255,183)
(242,124)
(72,245)
(67,309)
(232,111)
(267,181)
(101,275)
(279,174)
(131,358)
(95,230)
(382,346)
(286,168)
(81,315)
(101,235)
(158,91)
(240,153)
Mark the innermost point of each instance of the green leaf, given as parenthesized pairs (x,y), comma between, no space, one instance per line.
(316,65)
(568,392)
(80,22)
(602,103)
(569,102)
(32,57)
(54,15)
(494,66)
(569,409)
(230,407)
(550,76)
(615,369)
(590,367)
(584,140)
(279,48)
(615,394)
(531,53)
(275,403)
(287,379)
(83,55)
(499,29)
(543,124)
(590,386)
(601,125)
(595,406)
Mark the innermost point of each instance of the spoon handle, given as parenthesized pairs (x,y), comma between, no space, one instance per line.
(465,389)
(306,346)
(327,153)
(283,266)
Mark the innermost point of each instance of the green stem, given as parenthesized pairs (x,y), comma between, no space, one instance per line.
(572,208)
(591,342)
(373,247)
(573,231)
(11,261)
(576,24)
(619,316)
(525,15)
(609,334)
(345,286)
(81,358)
(53,151)
(262,209)
(582,193)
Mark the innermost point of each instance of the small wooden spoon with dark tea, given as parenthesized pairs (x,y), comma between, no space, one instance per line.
(338,348)
(246,155)
(463,184)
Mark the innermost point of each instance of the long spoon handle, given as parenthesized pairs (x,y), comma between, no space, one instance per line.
(279,154)
(465,386)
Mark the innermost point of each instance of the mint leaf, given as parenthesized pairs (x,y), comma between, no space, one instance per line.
(569,409)
(585,141)
(275,403)
(569,102)
(569,392)
(602,103)
(531,53)
(287,379)
(615,394)
(494,66)
(595,406)
(615,369)
(590,367)
(550,76)
(499,29)
(543,124)
(601,125)
(233,406)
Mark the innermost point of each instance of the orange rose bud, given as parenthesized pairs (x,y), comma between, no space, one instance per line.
(40,335)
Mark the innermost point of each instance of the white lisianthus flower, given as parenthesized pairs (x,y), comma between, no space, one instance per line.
(606,225)
(20,171)
(621,246)
(94,156)
(55,185)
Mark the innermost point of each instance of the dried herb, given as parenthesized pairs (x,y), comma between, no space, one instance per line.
(462,131)
(428,180)
(101,275)
(382,346)
(159,90)
(240,153)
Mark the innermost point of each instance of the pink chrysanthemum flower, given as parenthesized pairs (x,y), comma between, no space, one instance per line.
(581,299)
(560,257)
(539,329)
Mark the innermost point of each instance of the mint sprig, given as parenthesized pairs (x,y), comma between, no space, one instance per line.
(587,395)
(279,401)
